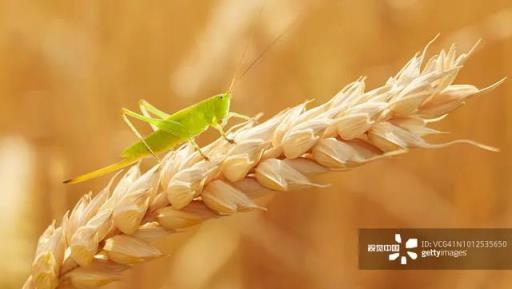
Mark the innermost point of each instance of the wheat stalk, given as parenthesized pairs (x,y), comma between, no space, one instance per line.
(104,235)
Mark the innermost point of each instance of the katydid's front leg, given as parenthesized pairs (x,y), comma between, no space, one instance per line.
(219,128)
(231,115)
(238,115)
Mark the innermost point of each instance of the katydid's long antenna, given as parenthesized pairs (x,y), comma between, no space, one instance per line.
(236,78)
(264,51)
(246,46)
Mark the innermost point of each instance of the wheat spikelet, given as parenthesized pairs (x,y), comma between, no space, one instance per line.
(104,235)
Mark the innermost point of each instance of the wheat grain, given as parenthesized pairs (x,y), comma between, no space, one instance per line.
(104,235)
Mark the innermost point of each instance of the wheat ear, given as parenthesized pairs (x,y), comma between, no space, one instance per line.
(104,235)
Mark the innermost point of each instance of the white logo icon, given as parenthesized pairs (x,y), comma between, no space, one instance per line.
(410,244)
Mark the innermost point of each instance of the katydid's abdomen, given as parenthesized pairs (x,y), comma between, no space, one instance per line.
(158,141)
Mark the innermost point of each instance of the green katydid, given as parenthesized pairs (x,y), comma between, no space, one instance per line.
(171,130)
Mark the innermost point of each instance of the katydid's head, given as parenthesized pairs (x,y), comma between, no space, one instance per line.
(221,107)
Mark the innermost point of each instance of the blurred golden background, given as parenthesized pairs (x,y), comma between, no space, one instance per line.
(67,67)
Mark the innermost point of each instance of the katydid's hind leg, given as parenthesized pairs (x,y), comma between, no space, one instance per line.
(148,108)
(167,125)
(139,136)
(147,114)
(170,126)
